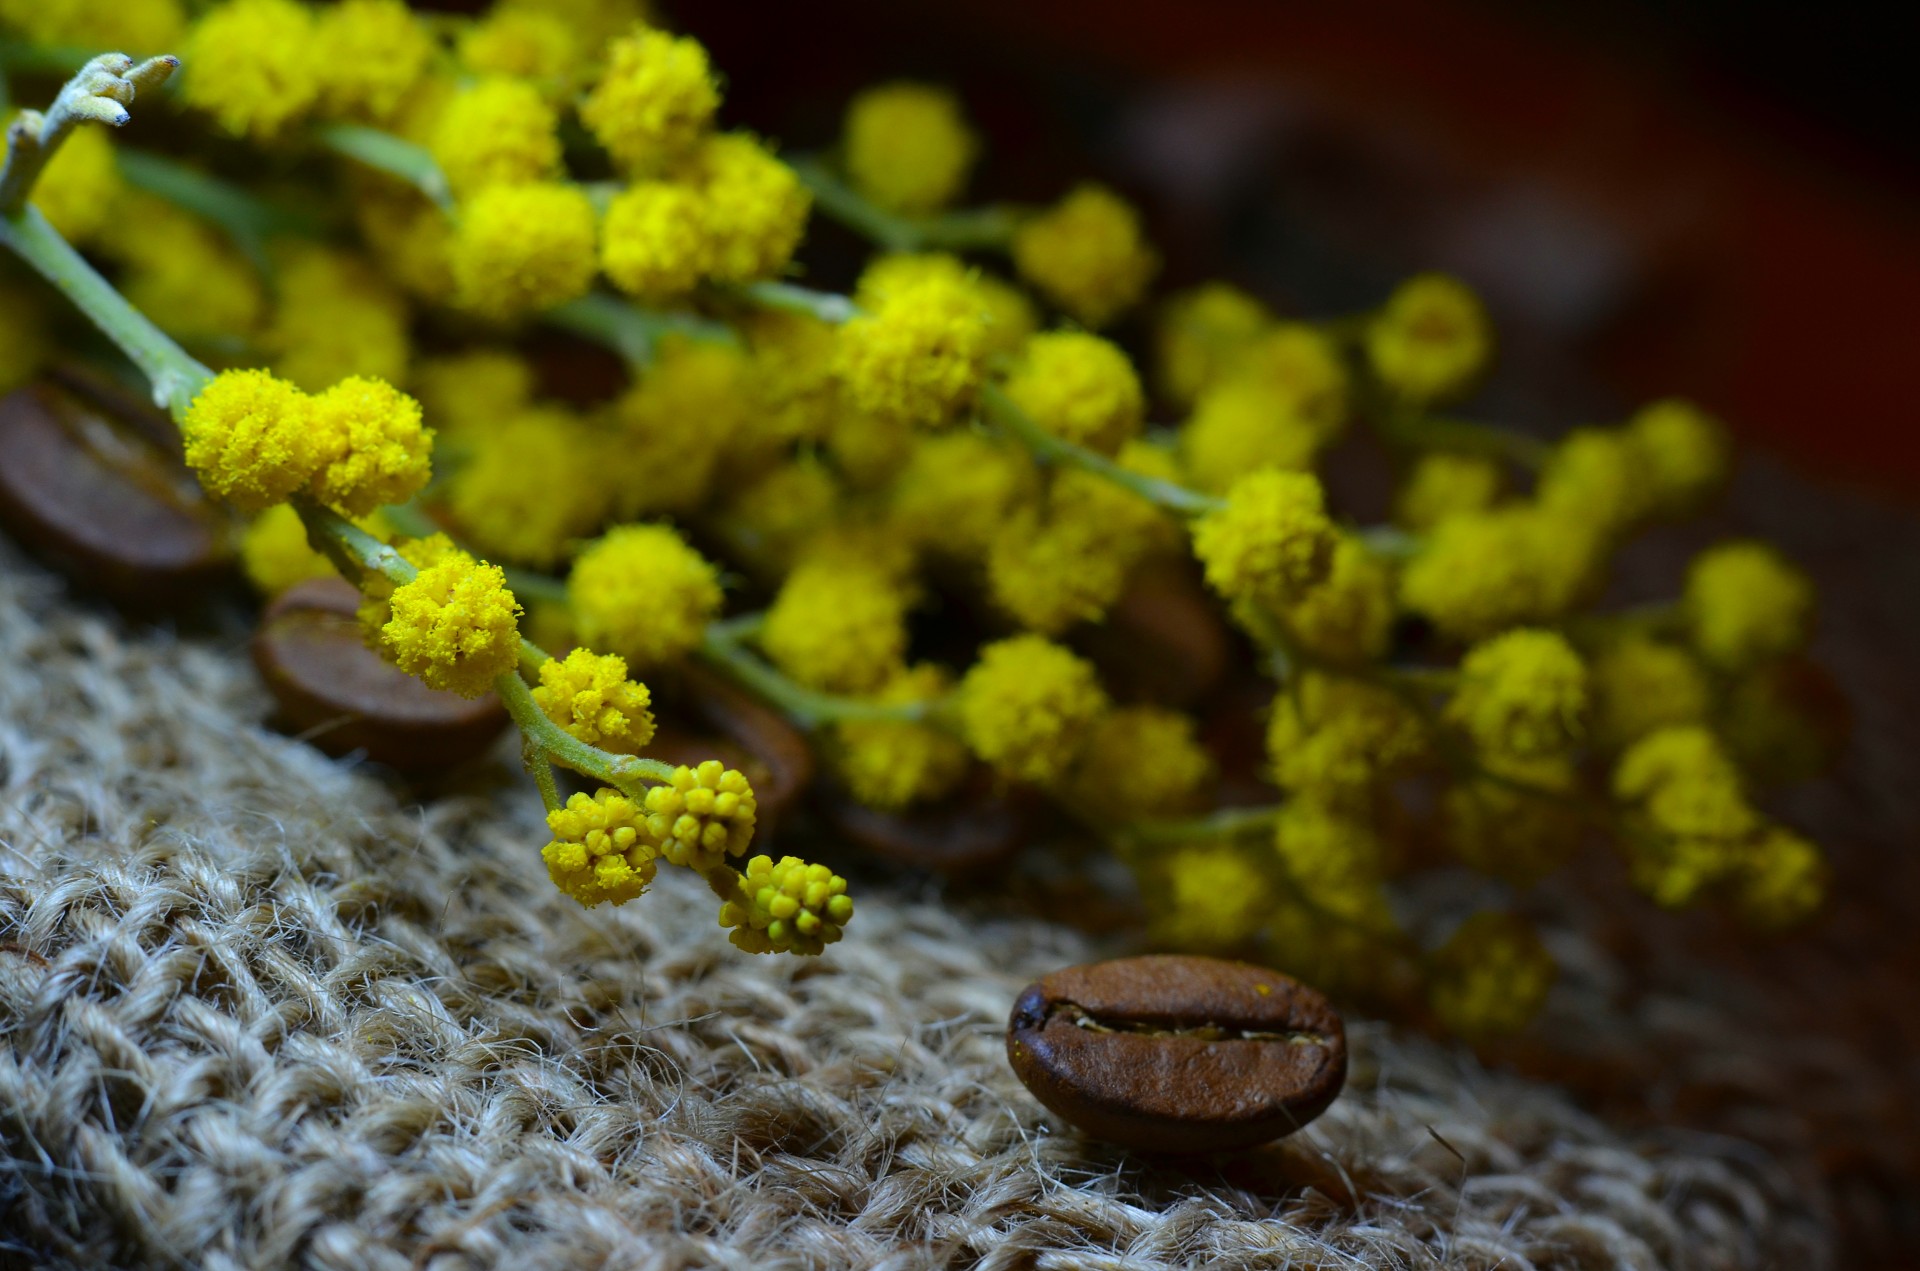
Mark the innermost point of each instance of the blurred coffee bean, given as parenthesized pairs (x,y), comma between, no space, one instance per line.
(725,709)
(342,696)
(85,487)
(973,833)
(1178,1054)
(1163,641)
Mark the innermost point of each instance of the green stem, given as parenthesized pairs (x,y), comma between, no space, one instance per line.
(392,155)
(829,307)
(1164,494)
(630,331)
(627,772)
(525,582)
(247,219)
(1222,823)
(721,649)
(542,772)
(175,377)
(975,229)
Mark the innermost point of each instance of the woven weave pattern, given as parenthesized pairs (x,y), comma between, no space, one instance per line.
(258,1010)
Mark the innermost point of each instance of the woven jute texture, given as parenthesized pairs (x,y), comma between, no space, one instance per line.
(261,1009)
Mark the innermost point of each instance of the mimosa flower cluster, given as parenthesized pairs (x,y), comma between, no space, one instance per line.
(996,423)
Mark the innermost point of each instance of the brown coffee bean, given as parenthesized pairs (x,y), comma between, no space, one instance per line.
(342,696)
(84,487)
(1178,1054)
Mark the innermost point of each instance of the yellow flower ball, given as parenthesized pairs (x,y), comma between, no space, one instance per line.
(253,66)
(769,520)
(80,185)
(1334,741)
(1271,542)
(654,243)
(674,426)
(1683,453)
(1300,362)
(139,28)
(1026,706)
(1244,426)
(1206,898)
(1140,761)
(836,627)
(1335,861)
(787,906)
(1491,977)
(754,207)
(473,390)
(654,101)
(1010,317)
(908,147)
(530,486)
(250,438)
(1081,388)
(641,592)
(334,317)
(919,357)
(454,626)
(521,249)
(1480,573)
(497,132)
(601,851)
(1087,254)
(1201,334)
(1782,883)
(1523,694)
(889,764)
(702,815)
(373,446)
(1067,558)
(958,489)
(1641,685)
(1431,341)
(1347,619)
(1745,605)
(408,236)
(522,44)
(369,54)
(1444,485)
(590,696)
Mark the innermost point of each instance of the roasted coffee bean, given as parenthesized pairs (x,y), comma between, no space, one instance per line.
(342,696)
(1178,1054)
(84,487)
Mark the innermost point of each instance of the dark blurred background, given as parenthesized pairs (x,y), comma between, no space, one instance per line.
(1706,198)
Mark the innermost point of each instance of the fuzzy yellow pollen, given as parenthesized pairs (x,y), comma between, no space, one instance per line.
(919,357)
(498,132)
(250,437)
(254,68)
(641,592)
(1026,707)
(601,850)
(1522,694)
(374,445)
(1272,540)
(369,54)
(890,764)
(1079,387)
(454,626)
(837,626)
(654,101)
(654,243)
(590,696)
(520,249)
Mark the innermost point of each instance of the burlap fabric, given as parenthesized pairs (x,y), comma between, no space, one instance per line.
(261,1009)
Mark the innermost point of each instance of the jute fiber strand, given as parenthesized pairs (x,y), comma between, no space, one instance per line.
(260,1009)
